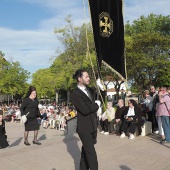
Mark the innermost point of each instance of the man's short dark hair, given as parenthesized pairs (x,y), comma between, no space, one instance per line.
(78,74)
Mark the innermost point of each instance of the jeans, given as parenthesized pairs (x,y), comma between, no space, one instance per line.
(166,127)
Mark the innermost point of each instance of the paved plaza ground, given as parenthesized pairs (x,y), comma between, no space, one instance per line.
(58,152)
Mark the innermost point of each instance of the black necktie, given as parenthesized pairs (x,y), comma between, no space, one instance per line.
(88,94)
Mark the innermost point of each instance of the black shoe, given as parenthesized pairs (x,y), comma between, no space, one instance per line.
(163,141)
(27,143)
(38,143)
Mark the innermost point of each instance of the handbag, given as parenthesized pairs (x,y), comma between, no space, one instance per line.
(135,121)
(131,120)
(24,118)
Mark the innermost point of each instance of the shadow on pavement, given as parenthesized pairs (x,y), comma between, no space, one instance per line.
(42,137)
(124,167)
(72,142)
(16,143)
(156,138)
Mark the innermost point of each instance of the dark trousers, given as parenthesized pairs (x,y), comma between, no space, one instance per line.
(152,118)
(118,127)
(130,124)
(105,125)
(88,153)
(111,125)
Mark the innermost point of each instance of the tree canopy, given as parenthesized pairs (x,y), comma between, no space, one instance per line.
(147,55)
(13,78)
(147,51)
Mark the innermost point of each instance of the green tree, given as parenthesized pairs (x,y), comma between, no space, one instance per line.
(3,62)
(13,79)
(45,82)
(147,51)
(74,42)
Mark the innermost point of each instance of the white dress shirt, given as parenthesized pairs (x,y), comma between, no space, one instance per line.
(131,112)
(82,88)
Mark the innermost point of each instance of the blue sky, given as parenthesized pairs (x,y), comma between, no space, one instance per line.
(27,26)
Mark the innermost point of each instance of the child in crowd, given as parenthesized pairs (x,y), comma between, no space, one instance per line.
(3,140)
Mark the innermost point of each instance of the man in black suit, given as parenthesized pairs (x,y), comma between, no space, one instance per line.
(83,98)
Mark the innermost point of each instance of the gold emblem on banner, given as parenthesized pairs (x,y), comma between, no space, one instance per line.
(105,24)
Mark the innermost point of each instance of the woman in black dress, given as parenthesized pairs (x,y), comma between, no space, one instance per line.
(3,141)
(30,104)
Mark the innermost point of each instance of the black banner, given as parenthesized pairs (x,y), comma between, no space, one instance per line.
(108,30)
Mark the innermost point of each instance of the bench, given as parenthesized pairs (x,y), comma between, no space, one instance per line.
(146,129)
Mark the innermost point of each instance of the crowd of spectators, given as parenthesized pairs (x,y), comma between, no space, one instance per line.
(154,106)
(54,116)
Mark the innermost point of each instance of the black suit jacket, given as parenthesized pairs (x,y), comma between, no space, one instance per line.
(86,110)
(138,115)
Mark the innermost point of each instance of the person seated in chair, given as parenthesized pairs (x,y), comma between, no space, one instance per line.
(108,120)
(132,115)
(119,116)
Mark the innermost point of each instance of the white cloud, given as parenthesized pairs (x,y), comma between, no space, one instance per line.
(60,10)
(34,48)
(133,9)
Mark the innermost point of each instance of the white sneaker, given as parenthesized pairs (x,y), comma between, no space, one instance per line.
(102,132)
(122,135)
(156,132)
(106,133)
(131,136)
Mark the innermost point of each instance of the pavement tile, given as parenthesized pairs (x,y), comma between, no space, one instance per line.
(58,152)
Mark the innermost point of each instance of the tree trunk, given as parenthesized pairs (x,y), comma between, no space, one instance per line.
(68,97)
